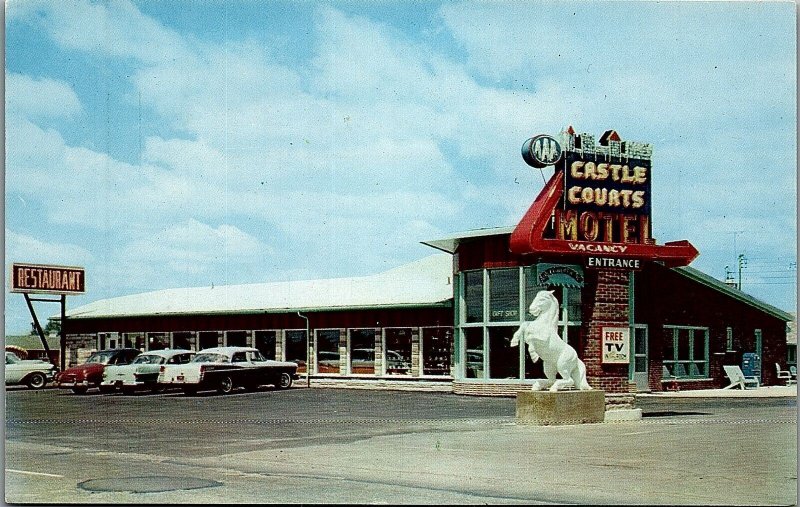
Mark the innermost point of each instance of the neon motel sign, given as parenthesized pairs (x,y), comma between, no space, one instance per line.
(597,203)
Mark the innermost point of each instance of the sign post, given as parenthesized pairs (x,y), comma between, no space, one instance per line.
(47,279)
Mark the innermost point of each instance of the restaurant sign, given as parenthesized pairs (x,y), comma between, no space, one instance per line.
(38,278)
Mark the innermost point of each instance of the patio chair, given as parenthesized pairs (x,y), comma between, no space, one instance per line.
(670,379)
(793,371)
(737,378)
(784,375)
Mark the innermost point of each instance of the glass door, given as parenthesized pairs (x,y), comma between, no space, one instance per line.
(640,358)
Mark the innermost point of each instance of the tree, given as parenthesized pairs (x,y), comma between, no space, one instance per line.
(53,326)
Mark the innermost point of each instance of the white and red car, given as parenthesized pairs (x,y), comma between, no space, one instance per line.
(225,368)
(30,372)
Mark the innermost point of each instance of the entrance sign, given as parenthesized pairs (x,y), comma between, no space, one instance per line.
(613,263)
(47,279)
(599,201)
(616,345)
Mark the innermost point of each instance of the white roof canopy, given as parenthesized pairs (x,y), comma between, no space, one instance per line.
(426,282)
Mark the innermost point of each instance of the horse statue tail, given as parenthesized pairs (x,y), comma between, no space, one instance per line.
(582,384)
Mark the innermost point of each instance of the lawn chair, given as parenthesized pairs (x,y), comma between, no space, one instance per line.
(784,375)
(672,380)
(737,378)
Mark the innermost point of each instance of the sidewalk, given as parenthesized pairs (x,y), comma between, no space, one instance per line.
(759,392)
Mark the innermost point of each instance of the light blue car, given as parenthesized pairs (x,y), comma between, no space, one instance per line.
(142,373)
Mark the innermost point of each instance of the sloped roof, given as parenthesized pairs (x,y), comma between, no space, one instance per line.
(450,243)
(710,281)
(425,282)
(33,342)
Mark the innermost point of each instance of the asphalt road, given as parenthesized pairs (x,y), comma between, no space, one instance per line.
(370,446)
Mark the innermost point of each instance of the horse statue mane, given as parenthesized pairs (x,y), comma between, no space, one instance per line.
(558,357)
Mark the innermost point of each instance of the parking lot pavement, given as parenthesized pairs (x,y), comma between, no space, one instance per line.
(333,446)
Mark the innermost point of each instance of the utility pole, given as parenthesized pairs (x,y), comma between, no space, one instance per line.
(742,264)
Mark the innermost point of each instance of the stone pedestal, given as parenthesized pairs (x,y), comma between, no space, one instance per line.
(545,408)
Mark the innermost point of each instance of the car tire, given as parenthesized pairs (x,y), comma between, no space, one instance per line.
(225,385)
(36,381)
(284,381)
(80,390)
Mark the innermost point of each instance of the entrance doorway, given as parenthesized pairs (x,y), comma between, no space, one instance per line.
(640,373)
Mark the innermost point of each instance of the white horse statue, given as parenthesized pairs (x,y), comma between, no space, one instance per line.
(543,342)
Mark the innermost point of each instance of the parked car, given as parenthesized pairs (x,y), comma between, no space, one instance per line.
(30,372)
(143,372)
(225,368)
(90,374)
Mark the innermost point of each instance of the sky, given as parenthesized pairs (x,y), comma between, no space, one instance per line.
(189,143)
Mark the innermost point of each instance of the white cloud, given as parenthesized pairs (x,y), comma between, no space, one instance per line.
(22,247)
(40,98)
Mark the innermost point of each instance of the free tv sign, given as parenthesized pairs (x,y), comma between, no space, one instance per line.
(47,279)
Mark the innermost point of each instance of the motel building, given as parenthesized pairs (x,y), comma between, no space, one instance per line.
(638,315)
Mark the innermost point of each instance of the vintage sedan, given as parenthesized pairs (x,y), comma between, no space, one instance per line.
(30,372)
(90,374)
(143,372)
(226,368)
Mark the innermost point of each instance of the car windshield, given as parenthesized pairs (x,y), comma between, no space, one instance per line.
(148,359)
(210,358)
(100,357)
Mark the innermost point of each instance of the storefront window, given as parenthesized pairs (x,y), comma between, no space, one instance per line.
(182,340)
(265,343)
(109,341)
(532,288)
(362,351)
(436,350)
(327,351)
(503,358)
(686,351)
(398,351)
(473,358)
(157,341)
(236,338)
(473,296)
(573,299)
(504,295)
(133,340)
(207,339)
(297,348)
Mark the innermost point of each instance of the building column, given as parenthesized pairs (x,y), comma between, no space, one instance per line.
(343,352)
(415,352)
(378,351)
(605,306)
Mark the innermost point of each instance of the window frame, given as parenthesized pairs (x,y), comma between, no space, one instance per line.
(674,332)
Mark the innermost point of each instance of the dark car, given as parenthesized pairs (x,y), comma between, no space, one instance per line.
(90,374)
(225,368)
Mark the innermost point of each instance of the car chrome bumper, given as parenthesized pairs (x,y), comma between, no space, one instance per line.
(69,385)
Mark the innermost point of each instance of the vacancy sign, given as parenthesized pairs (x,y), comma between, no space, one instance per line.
(616,345)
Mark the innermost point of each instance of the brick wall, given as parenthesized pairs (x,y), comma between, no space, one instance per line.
(605,304)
